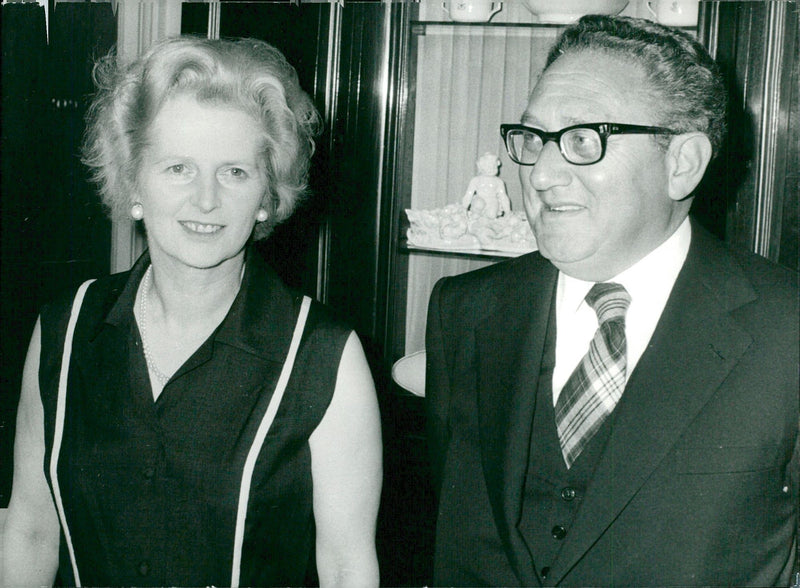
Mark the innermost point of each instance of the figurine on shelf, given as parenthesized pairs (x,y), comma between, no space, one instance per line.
(482,221)
(441,228)
(508,233)
(486,193)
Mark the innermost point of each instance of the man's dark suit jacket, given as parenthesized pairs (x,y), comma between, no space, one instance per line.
(698,482)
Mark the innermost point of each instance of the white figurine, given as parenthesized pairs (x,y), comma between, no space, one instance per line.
(482,221)
(486,193)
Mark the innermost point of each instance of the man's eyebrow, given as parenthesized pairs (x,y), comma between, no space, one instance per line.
(529,121)
(571,121)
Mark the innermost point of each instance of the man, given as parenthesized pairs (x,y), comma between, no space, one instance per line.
(669,456)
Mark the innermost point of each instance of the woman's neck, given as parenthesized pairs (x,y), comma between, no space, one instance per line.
(177,311)
(189,296)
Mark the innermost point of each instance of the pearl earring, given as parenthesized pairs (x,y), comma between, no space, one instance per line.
(137,212)
(261,215)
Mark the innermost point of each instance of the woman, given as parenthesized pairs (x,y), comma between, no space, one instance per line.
(215,428)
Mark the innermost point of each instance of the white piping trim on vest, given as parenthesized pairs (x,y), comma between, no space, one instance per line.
(258,441)
(59,425)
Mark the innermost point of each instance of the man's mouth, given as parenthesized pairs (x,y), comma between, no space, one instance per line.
(564,208)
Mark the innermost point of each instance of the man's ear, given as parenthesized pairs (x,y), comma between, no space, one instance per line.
(687,158)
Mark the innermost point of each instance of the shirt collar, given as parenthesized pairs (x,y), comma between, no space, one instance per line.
(655,273)
(121,312)
(260,321)
(263,315)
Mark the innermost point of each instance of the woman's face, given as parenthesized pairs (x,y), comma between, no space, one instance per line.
(201,182)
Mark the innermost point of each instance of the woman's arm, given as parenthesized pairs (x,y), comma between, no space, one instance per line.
(346,469)
(31,532)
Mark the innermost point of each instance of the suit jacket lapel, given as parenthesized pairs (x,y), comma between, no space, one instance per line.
(509,343)
(695,345)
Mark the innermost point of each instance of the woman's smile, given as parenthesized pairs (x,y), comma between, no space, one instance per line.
(201,228)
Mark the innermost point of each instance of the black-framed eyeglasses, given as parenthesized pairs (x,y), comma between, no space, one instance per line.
(582,144)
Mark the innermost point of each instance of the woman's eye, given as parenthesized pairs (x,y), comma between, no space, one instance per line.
(236,173)
(178,168)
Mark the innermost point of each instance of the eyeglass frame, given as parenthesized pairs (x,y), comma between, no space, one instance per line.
(603,129)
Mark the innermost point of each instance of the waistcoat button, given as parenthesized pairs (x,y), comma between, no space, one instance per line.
(544,572)
(568,494)
(558,532)
(149,472)
(144,568)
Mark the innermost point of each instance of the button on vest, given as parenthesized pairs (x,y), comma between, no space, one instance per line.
(553,494)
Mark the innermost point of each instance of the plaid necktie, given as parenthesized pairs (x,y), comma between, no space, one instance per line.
(596,385)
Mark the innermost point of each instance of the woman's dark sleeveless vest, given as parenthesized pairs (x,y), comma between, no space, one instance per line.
(150,489)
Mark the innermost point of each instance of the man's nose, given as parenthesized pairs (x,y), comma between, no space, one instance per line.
(206,194)
(551,169)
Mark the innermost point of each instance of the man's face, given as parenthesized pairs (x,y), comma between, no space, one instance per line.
(594,221)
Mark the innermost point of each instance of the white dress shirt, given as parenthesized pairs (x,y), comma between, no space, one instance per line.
(649,283)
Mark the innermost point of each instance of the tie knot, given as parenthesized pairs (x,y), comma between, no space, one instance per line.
(609,300)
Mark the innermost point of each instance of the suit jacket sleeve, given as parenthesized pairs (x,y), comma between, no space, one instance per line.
(437,383)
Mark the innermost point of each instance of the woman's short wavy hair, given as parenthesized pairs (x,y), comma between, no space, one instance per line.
(247,74)
(686,82)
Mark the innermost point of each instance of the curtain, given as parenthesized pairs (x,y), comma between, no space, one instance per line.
(469,80)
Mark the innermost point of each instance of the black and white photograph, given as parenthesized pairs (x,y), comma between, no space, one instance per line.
(360,293)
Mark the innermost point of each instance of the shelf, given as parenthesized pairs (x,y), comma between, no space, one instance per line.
(421,28)
(452,23)
(483,254)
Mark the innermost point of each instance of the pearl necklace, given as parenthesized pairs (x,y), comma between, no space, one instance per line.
(160,376)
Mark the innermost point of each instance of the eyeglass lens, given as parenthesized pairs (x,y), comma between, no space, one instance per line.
(579,146)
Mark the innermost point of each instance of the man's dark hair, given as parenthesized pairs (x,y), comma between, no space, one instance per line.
(688,89)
